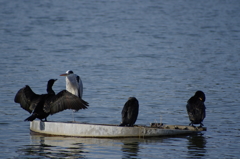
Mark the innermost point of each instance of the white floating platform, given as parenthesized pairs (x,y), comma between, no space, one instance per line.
(75,129)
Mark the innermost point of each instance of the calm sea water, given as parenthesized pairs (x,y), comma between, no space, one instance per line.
(161,52)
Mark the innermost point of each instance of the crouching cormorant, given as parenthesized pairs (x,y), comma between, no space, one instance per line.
(130,112)
(196,108)
(41,106)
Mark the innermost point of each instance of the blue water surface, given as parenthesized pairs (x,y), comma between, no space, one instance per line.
(159,51)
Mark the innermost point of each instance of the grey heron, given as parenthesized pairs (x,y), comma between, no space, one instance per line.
(196,108)
(73,84)
(130,112)
(41,106)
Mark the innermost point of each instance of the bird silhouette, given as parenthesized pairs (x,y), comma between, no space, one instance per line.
(41,106)
(130,112)
(196,108)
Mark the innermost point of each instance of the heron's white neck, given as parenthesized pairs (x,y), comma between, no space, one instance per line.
(72,85)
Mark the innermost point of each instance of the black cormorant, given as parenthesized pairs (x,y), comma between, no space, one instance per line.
(130,112)
(196,108)
(41,106)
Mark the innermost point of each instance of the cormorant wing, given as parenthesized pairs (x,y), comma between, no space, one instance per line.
(27,98)
(196,109)
(190,111)
(64,100)
(125,111)
(203,111)
(130,111)
(134,111)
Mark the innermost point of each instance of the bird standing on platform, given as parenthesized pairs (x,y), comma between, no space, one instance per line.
(130,112)
(73,84)
(41,106)
(196,108)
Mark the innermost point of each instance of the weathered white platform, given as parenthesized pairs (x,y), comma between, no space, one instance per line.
(109,131)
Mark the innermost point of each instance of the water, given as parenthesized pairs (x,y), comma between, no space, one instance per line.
(158,51)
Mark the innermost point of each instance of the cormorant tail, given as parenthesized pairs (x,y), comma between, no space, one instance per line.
(123,124)
(31,118)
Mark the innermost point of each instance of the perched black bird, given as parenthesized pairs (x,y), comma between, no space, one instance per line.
(196,108)
(41,106)
(130,112)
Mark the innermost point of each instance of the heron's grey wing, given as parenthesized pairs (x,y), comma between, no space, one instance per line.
(64,100)
(80,86)
(78,78)
(25,98)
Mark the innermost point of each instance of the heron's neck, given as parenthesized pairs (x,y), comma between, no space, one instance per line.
(72,85)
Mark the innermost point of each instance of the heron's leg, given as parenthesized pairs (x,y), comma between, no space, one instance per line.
(73,116)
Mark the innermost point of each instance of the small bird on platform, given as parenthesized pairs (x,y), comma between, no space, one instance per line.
(196,108)
(41,106)
(130,112)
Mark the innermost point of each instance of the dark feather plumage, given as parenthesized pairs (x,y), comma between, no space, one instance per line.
(27,98)
(196,108)
(42,105)
(130,112)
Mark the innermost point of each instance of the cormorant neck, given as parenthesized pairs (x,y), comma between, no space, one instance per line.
(49,89)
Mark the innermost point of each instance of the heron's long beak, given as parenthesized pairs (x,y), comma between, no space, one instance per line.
(63,74)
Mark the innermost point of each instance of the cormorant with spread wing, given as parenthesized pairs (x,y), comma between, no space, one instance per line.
(41,106)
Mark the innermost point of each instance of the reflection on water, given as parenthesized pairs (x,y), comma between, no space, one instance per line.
(70,147)
(130,148)
(52,147)
(196,145)
(158,51)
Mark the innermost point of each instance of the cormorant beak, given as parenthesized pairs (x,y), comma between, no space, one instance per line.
(64,74)
(55,79)
(200,98)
